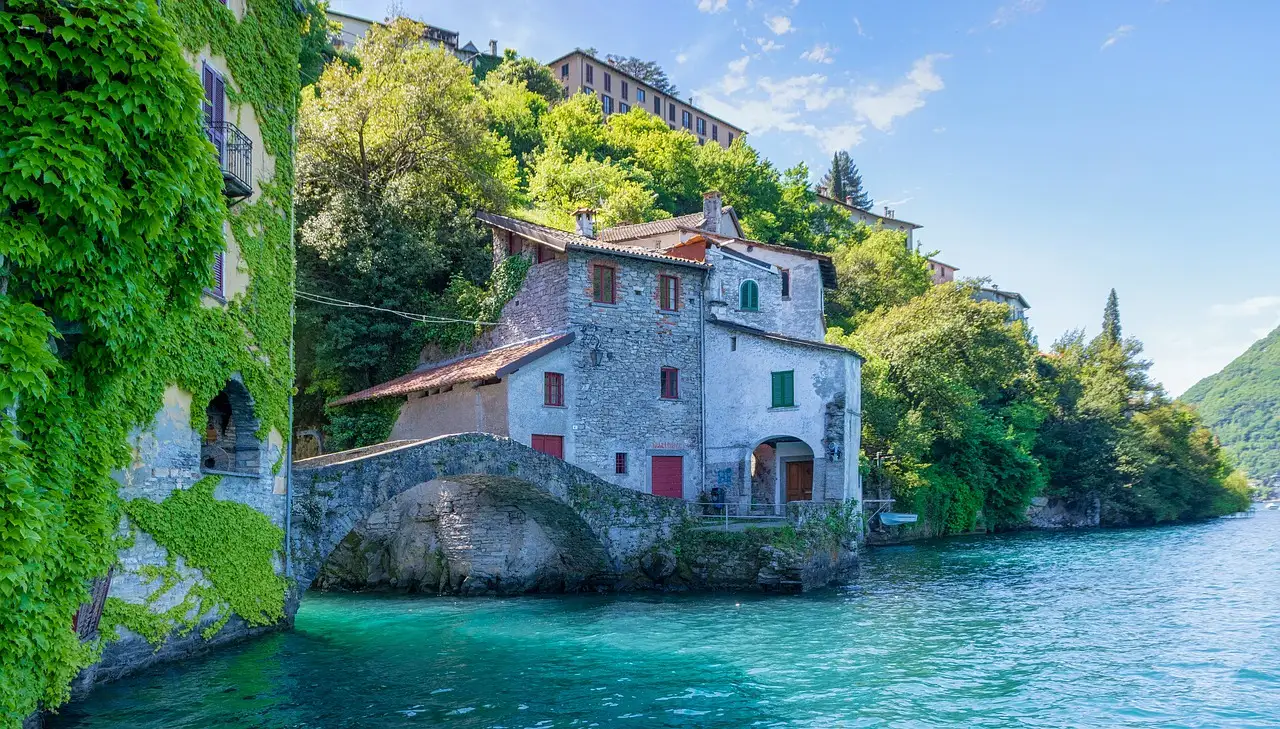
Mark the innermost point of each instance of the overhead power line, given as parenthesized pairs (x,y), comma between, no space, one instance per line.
(423,318)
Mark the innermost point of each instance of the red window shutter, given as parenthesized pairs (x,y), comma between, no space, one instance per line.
(553,389)
(552,445)
(670,383)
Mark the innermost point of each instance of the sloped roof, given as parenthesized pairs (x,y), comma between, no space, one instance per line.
(825,264)
(655,227)
(779,337)
(1002,294)
(483,366)
(562,240)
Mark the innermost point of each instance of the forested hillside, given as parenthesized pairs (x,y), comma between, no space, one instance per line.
(397,151)
(1242,406)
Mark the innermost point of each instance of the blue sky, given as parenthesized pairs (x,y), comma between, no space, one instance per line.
(1060,147)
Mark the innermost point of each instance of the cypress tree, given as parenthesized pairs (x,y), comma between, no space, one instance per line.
(1111,319)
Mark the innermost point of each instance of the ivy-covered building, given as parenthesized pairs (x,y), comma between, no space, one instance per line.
(146,286)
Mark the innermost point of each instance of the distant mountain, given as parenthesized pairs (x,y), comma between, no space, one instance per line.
(1242,405)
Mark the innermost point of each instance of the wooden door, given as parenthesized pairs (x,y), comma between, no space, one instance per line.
(799,480)
(552,445)
(667,476)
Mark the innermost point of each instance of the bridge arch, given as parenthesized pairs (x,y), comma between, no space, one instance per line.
(605,528)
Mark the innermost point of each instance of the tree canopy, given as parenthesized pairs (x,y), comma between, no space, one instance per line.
(844,183)
(647,71)
(1242,405)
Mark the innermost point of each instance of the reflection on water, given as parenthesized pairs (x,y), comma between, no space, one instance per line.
(1174,626)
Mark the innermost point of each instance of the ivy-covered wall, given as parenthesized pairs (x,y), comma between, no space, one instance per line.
(112,212)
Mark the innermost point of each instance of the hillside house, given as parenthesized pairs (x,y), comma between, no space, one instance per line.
(674,357)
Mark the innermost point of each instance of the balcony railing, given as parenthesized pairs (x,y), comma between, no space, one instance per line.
(235,156)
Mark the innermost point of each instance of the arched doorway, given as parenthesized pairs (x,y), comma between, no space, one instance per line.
(230,442)
(781,471)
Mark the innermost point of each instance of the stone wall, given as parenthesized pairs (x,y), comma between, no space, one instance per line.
(1047,513)
(538,308)
(167,457)
(465,408)
(617,392)
(481,515)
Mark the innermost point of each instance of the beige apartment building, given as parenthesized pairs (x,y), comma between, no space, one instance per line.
(621,92)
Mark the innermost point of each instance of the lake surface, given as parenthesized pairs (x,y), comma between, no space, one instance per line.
(1168,627)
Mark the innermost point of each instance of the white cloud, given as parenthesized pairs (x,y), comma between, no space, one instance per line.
(858,24)
(712,6)
(779,24)
(881,107)
(1010,12)
(1116,36)
(820,53)
(842,136)
(786,105)
(939,130)
(767,45)
(1256,306)
(896,203)
(681,57)
(736,79)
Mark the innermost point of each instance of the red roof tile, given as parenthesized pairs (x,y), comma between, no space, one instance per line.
(483,366)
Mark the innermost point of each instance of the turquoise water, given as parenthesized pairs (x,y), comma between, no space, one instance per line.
(1167,627)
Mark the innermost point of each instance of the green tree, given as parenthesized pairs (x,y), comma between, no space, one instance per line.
(529,72)
(1111,318)
(393,159)
(1242,405)
(647,71)
(844,182)
(875,270)
(576,126)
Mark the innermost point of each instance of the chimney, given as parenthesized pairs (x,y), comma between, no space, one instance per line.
(585,219)
(848,200)
(711,211)
(888,212)
(493,47)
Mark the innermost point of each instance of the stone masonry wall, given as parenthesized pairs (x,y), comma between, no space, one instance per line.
(618,403)
(167,457)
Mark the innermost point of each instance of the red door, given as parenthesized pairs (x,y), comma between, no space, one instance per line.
(667,476)
(552,445)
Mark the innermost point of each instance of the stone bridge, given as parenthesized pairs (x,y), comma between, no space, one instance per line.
(493,516)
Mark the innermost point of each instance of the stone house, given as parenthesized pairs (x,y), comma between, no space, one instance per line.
(674,357)
(1016,302)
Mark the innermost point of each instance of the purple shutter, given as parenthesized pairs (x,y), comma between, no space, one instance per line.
(215,107)
(218,259)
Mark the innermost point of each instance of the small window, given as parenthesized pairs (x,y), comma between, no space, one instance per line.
(715,132)
(545,254)
(607,103)
(668,293)
(590,74)
(624,91)
(608,82)
(620,463)
(671,111)
(786,283)
(702,127)
(686,119)
(657,106)
(784,389)
(219,288)
(603,284)
(670,383)
(623,107)
(553,389)
(588,89)
(749,296)
(730,138)
(513,244)
(640,95)
(733,344)
(564,71)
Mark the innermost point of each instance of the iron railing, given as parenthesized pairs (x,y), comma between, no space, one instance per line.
(235,156)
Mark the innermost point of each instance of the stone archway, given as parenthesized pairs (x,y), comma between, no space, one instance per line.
(469,535)
(780,469)
(597,531)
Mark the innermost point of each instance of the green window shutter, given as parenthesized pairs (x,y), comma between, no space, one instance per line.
(784,384)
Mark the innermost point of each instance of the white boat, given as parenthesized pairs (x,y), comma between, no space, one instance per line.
(889,519)
(1273,506)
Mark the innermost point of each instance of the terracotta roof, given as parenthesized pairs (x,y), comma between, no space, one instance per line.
(652,228)
(483,366)
(561,240)
(779,337)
